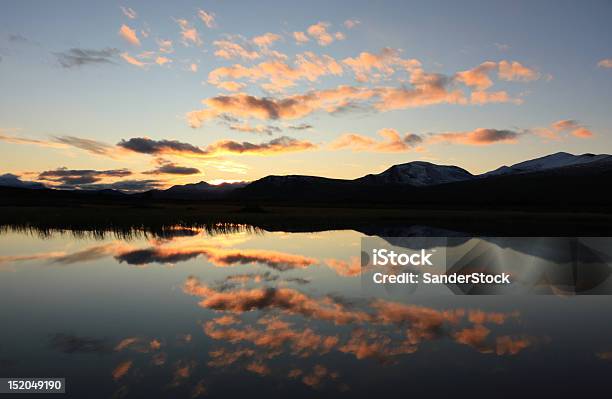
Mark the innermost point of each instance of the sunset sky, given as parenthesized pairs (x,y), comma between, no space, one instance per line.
(159,93)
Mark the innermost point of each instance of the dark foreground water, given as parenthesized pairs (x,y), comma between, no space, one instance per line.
(247,313)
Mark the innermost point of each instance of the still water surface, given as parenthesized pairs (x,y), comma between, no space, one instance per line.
(245,312)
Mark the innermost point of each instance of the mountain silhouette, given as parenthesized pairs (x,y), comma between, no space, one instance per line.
(556,181)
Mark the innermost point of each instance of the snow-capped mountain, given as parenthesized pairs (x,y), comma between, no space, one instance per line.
(418,173)
(553,161)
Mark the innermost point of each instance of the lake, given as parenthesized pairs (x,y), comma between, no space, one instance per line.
(238,311)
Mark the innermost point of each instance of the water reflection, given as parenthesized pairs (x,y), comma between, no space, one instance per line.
(204,313)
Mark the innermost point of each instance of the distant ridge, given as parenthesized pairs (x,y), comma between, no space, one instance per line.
(556,181)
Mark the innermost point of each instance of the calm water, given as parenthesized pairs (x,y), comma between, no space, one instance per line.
(248,312)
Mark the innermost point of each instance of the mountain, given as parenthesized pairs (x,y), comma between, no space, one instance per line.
(557,182)
(553,161)
(195,191)
(11,180)
(418,174)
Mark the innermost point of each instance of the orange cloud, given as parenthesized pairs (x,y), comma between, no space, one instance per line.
(474,336)
(230,85)
(129,35)
(189,34)
(344,268)
(384,63)
(606,63)
(428,89)
(506,345)
(287,300)
(275,335)
(258,368)
(300,37)
(279,74)
(513,70)
(478,77)
(228,50)
(266,40)
(573,127)
(133,61)
(392,142)
(291,107)
(485,97)
(162,60)
(319,32)
(121,369)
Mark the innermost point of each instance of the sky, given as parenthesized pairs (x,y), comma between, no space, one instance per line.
(142,94)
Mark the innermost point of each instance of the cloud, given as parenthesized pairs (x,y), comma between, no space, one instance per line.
(133,61)
(279,74)
(91,146)
(73,177)
(279,145)
(266,40)
(128,12)
(230,85)
(208,18)
(351,23)
(217,256)
(478,77)
(573,127)
(282,144)
(189,34)
(129,35)
(319,32)
(425,88)
(392,142)
(515,71)
(145,145)
(605,63)
(23,140)
(486,97)
(161,60)
(263,129)
(301,126)
(227,49)
(173,169)
(384,63)
(480,136)
(77,57)
(345,268)
(300,37)
(287,300)
(121,369)
(291,107)
(165,46)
